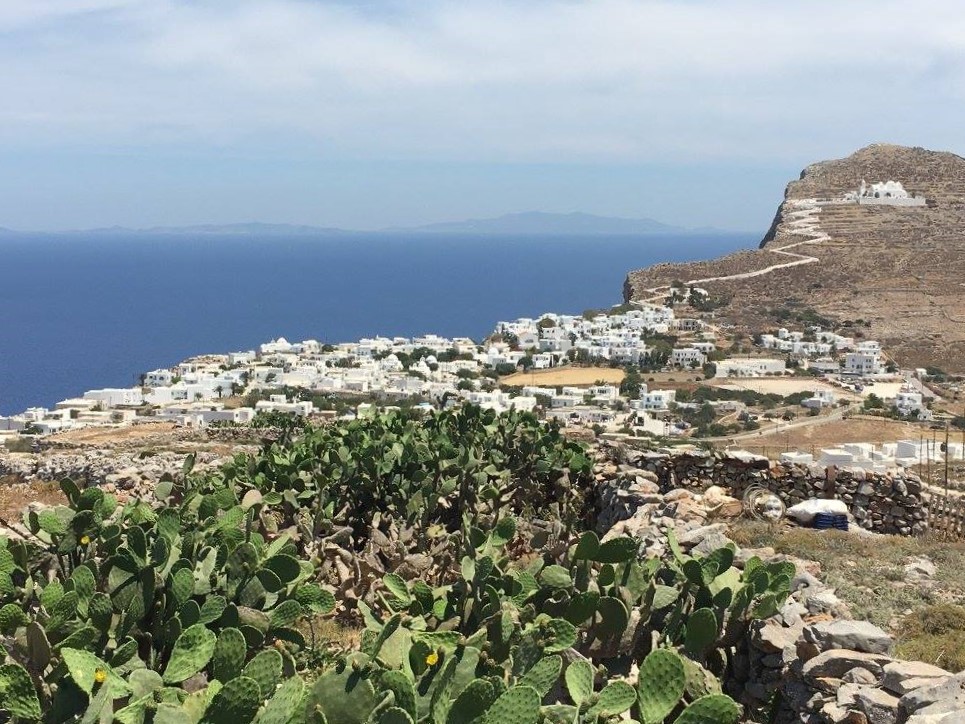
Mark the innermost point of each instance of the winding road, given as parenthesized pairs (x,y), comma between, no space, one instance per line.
(803,221)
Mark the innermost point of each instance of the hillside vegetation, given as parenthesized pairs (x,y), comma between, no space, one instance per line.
(460,543)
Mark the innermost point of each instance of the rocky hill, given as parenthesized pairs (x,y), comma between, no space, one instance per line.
(899,268)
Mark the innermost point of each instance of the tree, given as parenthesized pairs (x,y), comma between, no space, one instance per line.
(631,384)
(220,390)
(526,362)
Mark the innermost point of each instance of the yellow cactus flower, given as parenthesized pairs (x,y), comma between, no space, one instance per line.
(432,659)
(100,676)
(84,540)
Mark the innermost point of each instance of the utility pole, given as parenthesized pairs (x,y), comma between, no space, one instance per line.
(946,460)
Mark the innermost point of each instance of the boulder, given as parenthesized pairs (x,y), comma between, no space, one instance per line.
(691,538)
(953,717)
(944,696)
(859,676)
(854,635)
(920,567)
(878,706)
(837,662)
(900,677)
(710,543)
(771,637)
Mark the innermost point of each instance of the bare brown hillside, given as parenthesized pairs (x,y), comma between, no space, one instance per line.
(901,268)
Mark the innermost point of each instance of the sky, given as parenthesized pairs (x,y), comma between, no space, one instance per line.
(372,113)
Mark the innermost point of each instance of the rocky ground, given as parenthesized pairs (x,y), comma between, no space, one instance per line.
(817,657)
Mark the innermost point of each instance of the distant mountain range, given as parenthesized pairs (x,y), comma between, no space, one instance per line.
(538,222)
(532,223)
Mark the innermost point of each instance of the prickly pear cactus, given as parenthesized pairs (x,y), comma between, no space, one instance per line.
(579,681)
(346,697)
(518,705)
(191,653)
(395,715)
(11,616)
(701,631)
(543,675)
(237,702)
(229,655)
(17,695)
(711,709)
(660,685)
(472,702)
(265,670)
(282,707)
(616,698)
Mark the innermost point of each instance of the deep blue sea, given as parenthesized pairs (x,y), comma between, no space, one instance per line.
(80,311)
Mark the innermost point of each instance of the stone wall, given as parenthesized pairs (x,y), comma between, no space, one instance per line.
(841,671)
(881,502)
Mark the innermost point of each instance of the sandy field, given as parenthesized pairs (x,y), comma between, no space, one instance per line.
(884,390)
(575,376)
(783,386)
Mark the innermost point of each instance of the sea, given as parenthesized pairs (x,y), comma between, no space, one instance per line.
(81,311)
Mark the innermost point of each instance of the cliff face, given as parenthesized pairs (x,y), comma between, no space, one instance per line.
(901,268)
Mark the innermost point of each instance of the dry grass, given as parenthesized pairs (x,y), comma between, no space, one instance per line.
(112,435)
(867,571)
(935,635)
(832,434)
(15,494)
(576,376)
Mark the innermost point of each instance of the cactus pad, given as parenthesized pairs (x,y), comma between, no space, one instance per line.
(660,684)
(395,715)
(237,702)
(711,709)
(581,606)
(17,695)
(518,705)
(579,681)
(560,634)
(283,705)
(265,670)
(192,652)
(229,655)
(87,670)
(543,675)
(478,695)
(555,577)
(11,616)
(344,697)
(316,599)
(587,547)
(701,631)
(614,616)
(402,688)
(618,550)
(616,698)
(700,681)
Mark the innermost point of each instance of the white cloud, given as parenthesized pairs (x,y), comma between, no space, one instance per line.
(603,80)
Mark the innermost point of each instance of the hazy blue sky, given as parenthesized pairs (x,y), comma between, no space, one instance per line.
(374,113)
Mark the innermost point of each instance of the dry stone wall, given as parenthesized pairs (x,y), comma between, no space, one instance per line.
(880,502)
